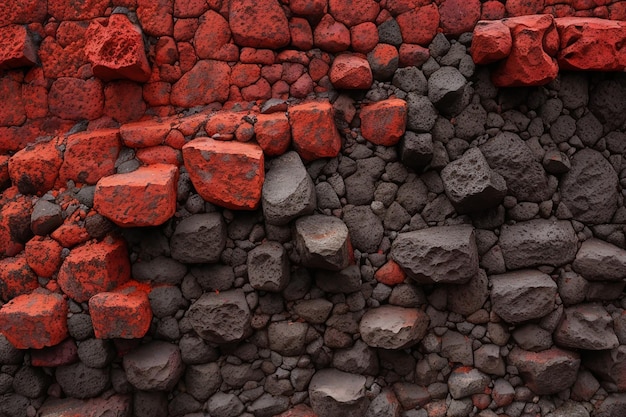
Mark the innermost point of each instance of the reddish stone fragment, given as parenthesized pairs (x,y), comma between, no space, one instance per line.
(159,155)
(123,101)
(384,122)
(90,156)
(419,26)
(5,179)
(383,60)
(16,47)
(412,55)
(15,214)
(12,111)
(212,36)
(258,23)
(390,274)
(531,62)
(16,278)
(301,33)
(229,174)
(144,134)
(155,17)
(145,197)
(35,168)
(43,255)
(331,36)
(492,10)
(70,234)
(459,16)
(351,72)
(223,125)
(491,42)
(94,267)
(313,130)
(273,133)
(591,44)
(117,50)
(34,320)
(364,37)
(309,7)
(75,99)
(65,353)
(523,7)
(206,83)
(354,12)
(157,93)
(73,10)
(120,315)
(22,12)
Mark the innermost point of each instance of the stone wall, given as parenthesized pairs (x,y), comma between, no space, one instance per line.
(312,208)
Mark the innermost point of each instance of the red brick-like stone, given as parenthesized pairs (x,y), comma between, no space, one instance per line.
(70,234)
(313,130)
(491,42)
(364,37)
(12,111)
(354,12)
(123,101)
(43,255)
(523,7)
(65,353)
(159,155)
(22,12)
(301,33)
(16,278)
(412,55)
(492,10)
(117,50)
(351,72)
(94,267)
(229,174)
(145,197)
(273,133)
(75,99)
(206,83)
(90,156)
(591,44)
(34,320)
(384,122)
(212,37)
(155,16)
(15,214)
(258,23)
(16,47)
(144,134)
(77,10)
(330,35)
(419,26)
(120,315)
(35,168)
(459,16)
(390,274)
(313,8)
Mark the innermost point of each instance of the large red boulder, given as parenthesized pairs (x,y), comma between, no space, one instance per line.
(491,42)
(313,130)
(90,156)
(259,23)
(16,47)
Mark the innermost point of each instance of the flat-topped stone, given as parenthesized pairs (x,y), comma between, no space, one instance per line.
(393,327)
(322,242)
(597,260)
(546,372)
(335,393)
(222,317)
(586,326)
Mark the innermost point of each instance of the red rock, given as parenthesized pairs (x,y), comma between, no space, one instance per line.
(23,12)
(364,37)
(5,180)
(481,401)
(317,69)
(222,125)
(353,12)
(184,29)
(302,87)
(188,58)
(34,320)
(412,55)
(157,93)
(90,156)
(12,111)
(397,7)
(71,10)
(190,125)
(94,267)
(491,42)
(117,405)
(280,90)
(459,16)
(65,353)
(390,274)
(155,17)
(273,133)
(75,99)
(117,50)
(419,26)
(159,155)
(189,8)
(43,256)
(492,10)
(145,197)
(531,62)
(436,408)
(118,315)
(123,101)
(165,51)
(351,72)
(243,75)
(16,278)
(256,56)
(144,134)
(384,122)
(35,94)
(591,44)
(313,130)
(16,48)
(35,168)
(206,83)
(65,61)
(15,230)
(258,23)
(313,8)
(617,11)
(383,60)
(523,7)
(330,35)
(301,33)
(229,174)
(212,37)
(260,90)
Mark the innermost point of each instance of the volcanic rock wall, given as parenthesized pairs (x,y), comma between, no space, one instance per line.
(312,208)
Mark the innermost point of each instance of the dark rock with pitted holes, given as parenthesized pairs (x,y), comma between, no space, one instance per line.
(154,366)
(393,327)
(598,260)
(268,267)
(468,298)
(322,242)
(586,326)
(546,372)
(222,317)
(366,229)
(335,393)
(199,239)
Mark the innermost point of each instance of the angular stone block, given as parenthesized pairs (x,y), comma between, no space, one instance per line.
(322,242)
(351,72)
(117,315)
(90,156)
(546,372)
(268,267)
(313,130)
(154,366)
(35,168)
(586,326)
(259,24)
(384,122)
(16,278)
(199,239)
(598,260)
(16,47)
(222,317)
(393,327)
(335,393)
(491,42)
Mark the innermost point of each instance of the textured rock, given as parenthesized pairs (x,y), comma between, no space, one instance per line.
(445,254)
(268,267)
(273,133)
(222,317)
(416,149)
(366,229)
(446,88)
(16,278)
(350,72)
(155,366)
(471,184)
(18,49)
(546,372)
(586,326)
(76,99)
(120,316)
(589,189)
(418,25)
(522,295)
(207,82)
(392,327)
(288,191)
(34,169)
(287,338)
(468,298)
(348,280)
(608,365)
(90,156)
(491,42)
(598,260)
(80,381)
(335,393)
(538,242)
(384,122)
(466,381)
(258,24)
(313,130)
(458,16)
(322,242)
(200,238)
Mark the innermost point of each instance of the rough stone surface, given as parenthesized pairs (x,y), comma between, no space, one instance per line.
(335,393)
(200,238)
(268,267)
(392,327)
(155,366)
(598,260)
(546,372)
(322,242)
(586,326)
(222,317)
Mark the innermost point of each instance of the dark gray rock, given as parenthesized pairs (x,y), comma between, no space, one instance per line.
(572,287)
(214,277)
(546,372)
(445,254)
(421,113)
(589,129)
(30,382)
(160,270)
(392,327)
(614,405)
(80,381)
(608,365)
(335,393)
(366,229)
(9,355)
(46,217)
(360,188)
(314,311)
(413,195)
(326,196)
(389,32)
(221,317)
(410,79)
(598,260)
(607,101)
(468,298)
(538,242)
(268,267)
(384,404)
(236,376)
(510,157)
(14,405)
(416,149)
(470,123)
(199,239)
(446,88)
(288,191)
(322,242)
(563,128)
(457,348)
(488,359)
(166,301)
(268,405)
(532,337)
(225,405)
(150,404)
(464,382)
(471,185)
(203,380)
(556,162)
(287,338)
(590,188)
(574,91)
(96,353)
(586,326)
(154,366)
(358,359)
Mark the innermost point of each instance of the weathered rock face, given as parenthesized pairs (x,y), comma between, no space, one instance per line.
(586,326)
(156,366)
(221,318)
(468,298)
(335,393)
(546,372)
(322,242)
(199,238)
(268,267)
(438,254)
(609,365)
(391,327)
(597,260)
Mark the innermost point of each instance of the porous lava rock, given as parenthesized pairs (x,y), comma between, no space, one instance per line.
(393,327)
(222,317)
(322,242)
